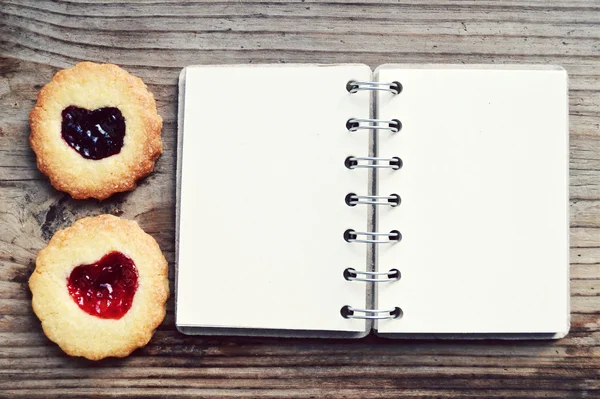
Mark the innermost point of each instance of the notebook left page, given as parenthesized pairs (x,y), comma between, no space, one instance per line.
(261,201)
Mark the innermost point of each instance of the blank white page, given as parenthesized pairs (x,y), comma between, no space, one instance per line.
(262,211)
(484,188)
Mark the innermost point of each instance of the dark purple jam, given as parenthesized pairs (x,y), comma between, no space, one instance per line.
(95,134)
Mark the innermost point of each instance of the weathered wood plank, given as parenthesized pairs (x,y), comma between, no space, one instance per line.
(154,39)
(308,392)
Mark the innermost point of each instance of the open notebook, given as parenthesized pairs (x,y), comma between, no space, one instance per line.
(455,176)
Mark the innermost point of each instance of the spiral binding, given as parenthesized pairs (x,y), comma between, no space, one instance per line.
(393,236)
(352,199)
(354,124)
(348,312)
(394,163)
(393,87)
(390,200)
(352,274)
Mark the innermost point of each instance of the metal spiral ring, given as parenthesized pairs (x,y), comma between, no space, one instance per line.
(355,86)
(348,312)
(390,200)
(394,163)
(354,124)
(352,274)
(393,237)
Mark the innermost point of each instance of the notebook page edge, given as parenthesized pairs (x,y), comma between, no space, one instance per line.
(268,332)
(524,67)
(180,115)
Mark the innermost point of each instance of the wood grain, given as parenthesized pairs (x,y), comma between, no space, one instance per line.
(154,39)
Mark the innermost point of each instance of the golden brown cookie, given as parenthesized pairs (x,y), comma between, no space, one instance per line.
(100,287)
(95,130)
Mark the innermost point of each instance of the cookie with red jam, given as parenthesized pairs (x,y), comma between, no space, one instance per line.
(95,130)
(100,287)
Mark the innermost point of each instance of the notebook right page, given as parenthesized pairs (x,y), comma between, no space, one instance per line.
(484,188)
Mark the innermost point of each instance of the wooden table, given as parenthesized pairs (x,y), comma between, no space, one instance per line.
(154,39)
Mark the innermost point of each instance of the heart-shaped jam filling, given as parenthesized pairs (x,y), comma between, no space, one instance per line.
(105,288)
(93,134)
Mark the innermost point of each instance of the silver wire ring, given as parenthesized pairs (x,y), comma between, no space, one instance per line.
(351,274)
(394,163)
(351,236)
(355,86)
(348,312)
(390,200)
(354,124)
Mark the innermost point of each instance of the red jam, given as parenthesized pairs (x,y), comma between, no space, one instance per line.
(105,288)
(93,134)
